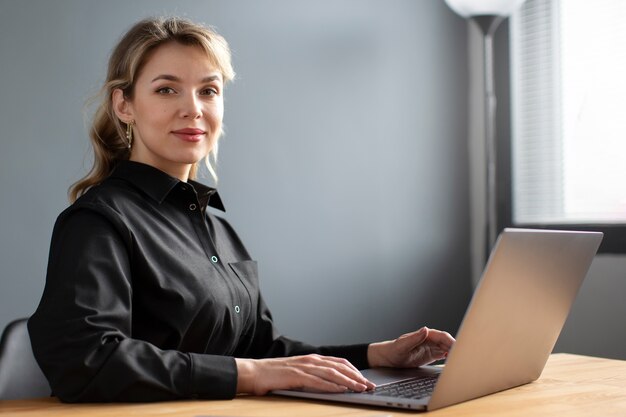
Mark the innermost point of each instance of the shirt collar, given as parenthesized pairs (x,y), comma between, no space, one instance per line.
(157,184)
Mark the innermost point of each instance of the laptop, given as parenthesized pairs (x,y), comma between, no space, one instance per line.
(509,329)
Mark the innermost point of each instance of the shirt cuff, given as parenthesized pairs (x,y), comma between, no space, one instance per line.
(213,377)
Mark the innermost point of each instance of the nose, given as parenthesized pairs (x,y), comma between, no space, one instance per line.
(191,107)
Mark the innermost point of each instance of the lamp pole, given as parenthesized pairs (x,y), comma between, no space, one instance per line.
(487,14)
(488,25)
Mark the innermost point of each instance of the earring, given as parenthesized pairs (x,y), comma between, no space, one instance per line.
(129,133)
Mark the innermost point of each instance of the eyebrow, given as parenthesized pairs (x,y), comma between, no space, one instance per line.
(174,78)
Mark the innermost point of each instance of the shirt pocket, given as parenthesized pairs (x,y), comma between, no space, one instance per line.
(247,273)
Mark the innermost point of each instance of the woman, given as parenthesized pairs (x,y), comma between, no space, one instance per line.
(149,296)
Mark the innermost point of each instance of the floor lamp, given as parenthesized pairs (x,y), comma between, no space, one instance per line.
(488,14)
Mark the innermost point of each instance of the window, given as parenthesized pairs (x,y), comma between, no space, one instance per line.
(568,124)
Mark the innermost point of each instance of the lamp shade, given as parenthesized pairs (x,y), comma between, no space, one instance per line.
(467,8)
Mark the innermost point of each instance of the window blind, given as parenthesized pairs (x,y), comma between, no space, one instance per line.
(569,112)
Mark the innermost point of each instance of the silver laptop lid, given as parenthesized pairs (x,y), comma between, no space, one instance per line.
(517,312)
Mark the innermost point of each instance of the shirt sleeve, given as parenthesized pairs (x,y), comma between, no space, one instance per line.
(81,332)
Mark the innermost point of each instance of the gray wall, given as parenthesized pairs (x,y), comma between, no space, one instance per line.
(596,323)
(344,167)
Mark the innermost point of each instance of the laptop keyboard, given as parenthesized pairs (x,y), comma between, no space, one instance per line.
(410,388)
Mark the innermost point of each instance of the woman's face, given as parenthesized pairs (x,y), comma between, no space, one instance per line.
(177,107)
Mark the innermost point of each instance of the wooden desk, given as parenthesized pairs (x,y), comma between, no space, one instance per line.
(570,386)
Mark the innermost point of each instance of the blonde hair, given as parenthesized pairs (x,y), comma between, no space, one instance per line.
(108,133)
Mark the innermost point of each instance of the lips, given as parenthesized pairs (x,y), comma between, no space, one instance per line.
(190,134)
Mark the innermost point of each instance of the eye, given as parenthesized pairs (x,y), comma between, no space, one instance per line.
(211,91)
(165,90)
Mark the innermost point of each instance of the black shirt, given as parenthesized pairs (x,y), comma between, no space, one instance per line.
(149,296)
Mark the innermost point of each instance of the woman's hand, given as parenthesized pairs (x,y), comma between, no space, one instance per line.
(411,350)
(314,372)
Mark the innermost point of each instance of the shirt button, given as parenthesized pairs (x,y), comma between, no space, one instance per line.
(214,259)
(183,187)
(237,309)
(192,207)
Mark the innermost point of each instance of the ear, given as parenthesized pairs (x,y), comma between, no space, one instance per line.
(122,106)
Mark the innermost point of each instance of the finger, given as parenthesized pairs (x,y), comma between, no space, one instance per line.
(412,340)
(341,368)
(346,368)
(353,371)
(335,376)
(316,383)
(437,353)
(441,338)
(428,354)
(341,361)
(329,372)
